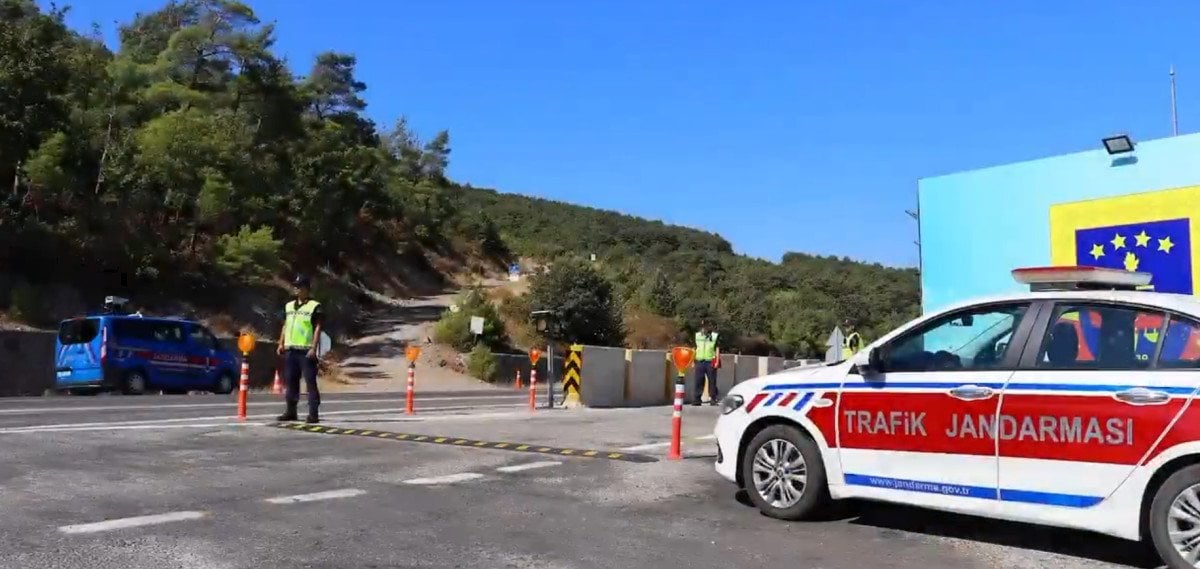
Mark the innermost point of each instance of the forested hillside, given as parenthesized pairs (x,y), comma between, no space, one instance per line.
(669,278)
(193,162)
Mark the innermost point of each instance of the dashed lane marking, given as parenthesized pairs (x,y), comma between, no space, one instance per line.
(125,523)
(664,444)
(317,496)
(528,466)
(623,455)
(437,413)
(71,429)
(448,479)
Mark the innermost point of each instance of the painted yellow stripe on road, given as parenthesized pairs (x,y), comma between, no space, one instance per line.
(469,443)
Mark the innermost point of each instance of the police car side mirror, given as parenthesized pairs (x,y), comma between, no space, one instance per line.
(868,362)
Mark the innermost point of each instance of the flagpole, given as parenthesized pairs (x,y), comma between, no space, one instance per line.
(1174,112)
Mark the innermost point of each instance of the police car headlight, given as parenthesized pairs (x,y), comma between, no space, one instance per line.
(731,403)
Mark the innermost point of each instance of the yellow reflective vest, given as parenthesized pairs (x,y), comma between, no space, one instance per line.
(298,328)
(706,347)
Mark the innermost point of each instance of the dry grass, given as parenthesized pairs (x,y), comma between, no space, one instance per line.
(644,330)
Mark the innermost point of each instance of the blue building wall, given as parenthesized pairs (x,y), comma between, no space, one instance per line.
(977,226)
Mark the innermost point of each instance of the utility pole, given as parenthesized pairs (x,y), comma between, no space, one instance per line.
(916,215)
(1174,112)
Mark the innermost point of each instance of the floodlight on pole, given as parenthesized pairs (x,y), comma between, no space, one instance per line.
(1119,144)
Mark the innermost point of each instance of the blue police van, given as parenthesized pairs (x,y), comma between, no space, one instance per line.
(135,354)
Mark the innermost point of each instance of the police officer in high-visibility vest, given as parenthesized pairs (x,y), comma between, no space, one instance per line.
(851,345)
(298,343)
(706,357)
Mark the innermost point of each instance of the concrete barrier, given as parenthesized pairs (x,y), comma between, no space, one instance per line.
(26,363)
(508,364)
(727,375)
(603,377)
(649,376)
(747,368)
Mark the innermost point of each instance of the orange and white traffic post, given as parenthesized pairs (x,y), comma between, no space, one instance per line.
(411,353)
(682,357)
(518,382)
(277,385)
(534,355)
(245,345)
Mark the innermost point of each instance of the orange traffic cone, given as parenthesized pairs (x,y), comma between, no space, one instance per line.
(518,384)
(277,386)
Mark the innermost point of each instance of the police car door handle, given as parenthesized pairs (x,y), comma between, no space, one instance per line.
(971,392)
(1142,396)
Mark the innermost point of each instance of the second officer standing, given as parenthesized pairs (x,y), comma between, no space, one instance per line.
(298,345)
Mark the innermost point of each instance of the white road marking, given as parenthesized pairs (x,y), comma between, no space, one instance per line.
(664,444)
(390,409)
(63,429)
(28,410)
(529,466)
(448,479)
(316,496)
(123,523)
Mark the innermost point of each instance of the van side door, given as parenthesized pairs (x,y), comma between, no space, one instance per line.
(169,354)
(202,356)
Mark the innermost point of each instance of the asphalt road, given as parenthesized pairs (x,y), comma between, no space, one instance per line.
(106,410)
(222,495)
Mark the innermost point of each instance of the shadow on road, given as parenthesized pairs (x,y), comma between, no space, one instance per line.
(1073,543)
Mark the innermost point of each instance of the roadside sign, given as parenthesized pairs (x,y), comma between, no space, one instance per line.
(245,343)
(324,344)
(682,357)
(477,325)
(411,353)
(834,345)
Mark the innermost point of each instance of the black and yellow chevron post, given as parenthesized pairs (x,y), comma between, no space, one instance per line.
(573,377)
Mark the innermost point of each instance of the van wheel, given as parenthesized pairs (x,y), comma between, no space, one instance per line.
(224,384)
(1175,519)
(135,383)
(784,474)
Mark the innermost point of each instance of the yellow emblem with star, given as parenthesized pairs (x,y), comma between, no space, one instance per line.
(1154,232)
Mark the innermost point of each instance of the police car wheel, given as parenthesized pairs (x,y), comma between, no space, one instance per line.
(135,383)
(1175,519)
(224,384)
(784,474)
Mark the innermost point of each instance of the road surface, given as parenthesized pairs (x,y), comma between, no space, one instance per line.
(154,482)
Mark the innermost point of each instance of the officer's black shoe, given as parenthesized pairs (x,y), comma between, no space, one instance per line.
(312,419)
(290,414)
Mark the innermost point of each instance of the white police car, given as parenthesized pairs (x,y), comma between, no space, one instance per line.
(1072,405)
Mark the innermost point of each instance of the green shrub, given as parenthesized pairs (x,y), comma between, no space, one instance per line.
(25,305)
(454,327)
(250,254)
(483,364)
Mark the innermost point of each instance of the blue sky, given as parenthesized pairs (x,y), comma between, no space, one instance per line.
(782,125)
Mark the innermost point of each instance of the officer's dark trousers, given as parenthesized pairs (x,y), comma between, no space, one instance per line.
(705,369)
(295,364)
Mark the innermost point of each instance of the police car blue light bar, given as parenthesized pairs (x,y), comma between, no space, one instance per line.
(1080,277)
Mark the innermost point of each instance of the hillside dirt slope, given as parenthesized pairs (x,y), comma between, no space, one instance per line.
(375,361)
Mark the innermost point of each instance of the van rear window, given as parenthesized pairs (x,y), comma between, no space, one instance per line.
(79,331)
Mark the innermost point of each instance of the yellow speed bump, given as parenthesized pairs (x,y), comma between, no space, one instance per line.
(471,443)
